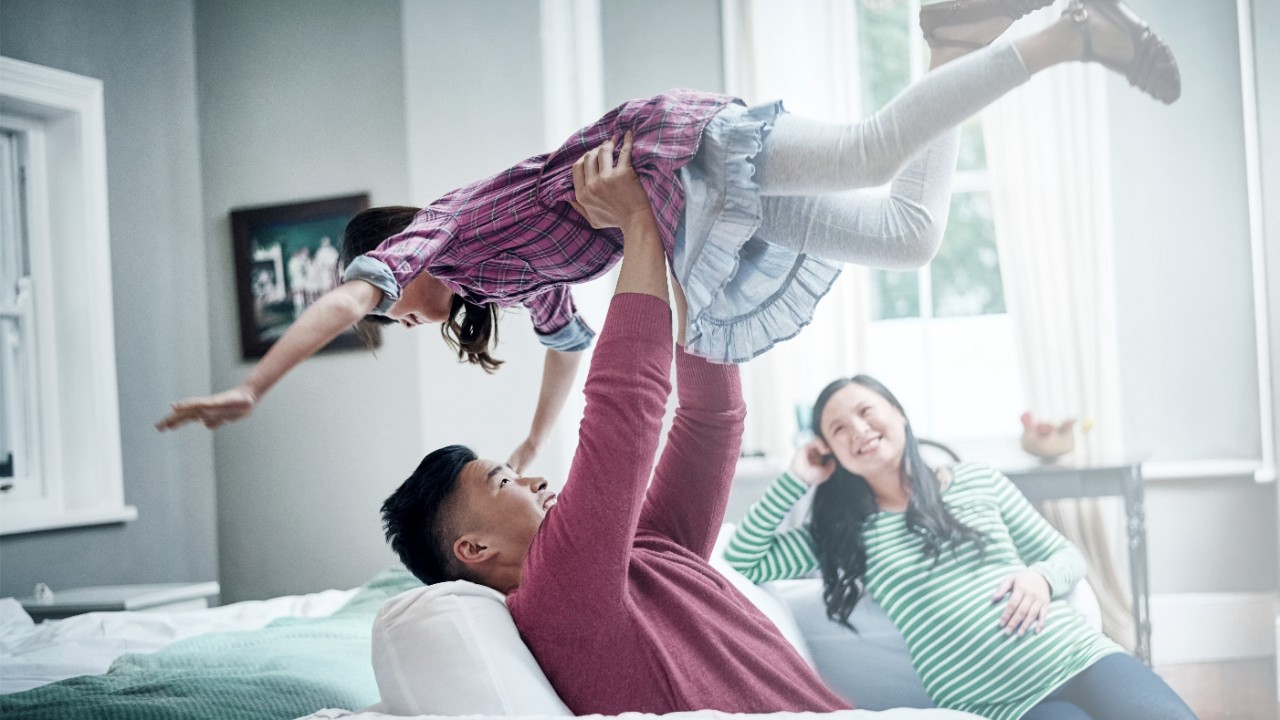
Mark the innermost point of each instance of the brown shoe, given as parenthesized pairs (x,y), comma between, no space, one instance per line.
(1152,68)
(969,12)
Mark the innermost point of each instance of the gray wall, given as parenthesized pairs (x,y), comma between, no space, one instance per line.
(339,104)
(475,104)
(1182,249)
(1266,21)
(303,99)
(143,51)
(1185,306)
(660,44)
(1211,535)
(474,97)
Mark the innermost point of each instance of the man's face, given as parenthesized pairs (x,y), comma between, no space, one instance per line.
(501,510)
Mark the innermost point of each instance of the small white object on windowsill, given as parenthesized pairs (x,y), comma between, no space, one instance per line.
(42,594)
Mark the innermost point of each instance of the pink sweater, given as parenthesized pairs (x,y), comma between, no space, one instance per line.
(618,603)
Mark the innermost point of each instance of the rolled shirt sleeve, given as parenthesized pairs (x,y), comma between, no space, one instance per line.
(557,322)
(376,273)
(400,258)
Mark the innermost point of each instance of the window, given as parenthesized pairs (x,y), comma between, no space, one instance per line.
(939,337)
(18,479)
(60,460)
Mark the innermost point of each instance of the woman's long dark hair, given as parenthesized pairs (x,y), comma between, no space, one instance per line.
(471,329)
(842,504)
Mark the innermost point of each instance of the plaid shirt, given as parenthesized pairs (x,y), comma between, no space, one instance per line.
(512,238)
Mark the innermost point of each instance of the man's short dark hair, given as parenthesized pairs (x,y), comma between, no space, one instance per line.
(417,517)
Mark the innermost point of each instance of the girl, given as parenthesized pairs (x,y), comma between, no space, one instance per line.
(968,571)
(745,200)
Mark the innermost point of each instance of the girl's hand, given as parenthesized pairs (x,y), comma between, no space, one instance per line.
(609,194)
(1029,595)
(213,410)
(523,456)
(813,463)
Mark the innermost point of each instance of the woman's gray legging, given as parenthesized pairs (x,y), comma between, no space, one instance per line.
(814,176)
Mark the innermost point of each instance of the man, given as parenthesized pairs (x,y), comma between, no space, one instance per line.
(609,584)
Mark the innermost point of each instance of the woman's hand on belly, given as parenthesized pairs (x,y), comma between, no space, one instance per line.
(1027,595)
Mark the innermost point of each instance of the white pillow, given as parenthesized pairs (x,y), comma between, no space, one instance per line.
(453,649)
(773,608)
(1084,600)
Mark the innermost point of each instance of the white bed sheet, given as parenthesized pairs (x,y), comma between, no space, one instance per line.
(895,714)
(34,654)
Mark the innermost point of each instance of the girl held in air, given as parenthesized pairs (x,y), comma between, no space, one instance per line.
(753,205)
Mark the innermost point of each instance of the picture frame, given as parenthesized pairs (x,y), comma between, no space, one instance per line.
(286,257)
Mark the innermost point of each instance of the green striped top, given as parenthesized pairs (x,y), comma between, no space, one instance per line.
(945,611)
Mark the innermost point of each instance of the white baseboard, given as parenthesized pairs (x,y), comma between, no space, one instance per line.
(1212,627)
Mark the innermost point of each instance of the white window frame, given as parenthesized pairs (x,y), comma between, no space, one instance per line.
(81,472)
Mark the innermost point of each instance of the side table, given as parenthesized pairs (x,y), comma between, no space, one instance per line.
(1058,482)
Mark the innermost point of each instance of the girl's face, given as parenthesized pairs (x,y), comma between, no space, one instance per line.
(425,299)
(865,432)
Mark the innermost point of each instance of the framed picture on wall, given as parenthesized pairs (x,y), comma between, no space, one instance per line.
(287,256)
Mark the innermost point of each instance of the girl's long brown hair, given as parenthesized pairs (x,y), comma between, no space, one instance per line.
(471,329)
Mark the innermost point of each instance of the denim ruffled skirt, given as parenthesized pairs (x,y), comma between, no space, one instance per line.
(744,294)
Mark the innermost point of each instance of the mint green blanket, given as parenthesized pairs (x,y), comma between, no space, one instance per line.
(292,667)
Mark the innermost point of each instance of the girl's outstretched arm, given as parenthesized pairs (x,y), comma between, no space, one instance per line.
(320,323)
(558,372)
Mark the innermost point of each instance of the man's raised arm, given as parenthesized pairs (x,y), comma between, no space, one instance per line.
(690,487)
(584,545)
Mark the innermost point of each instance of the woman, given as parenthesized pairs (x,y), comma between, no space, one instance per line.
(971,575)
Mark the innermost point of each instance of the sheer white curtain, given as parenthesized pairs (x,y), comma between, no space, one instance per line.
(805,54)
(1047,152)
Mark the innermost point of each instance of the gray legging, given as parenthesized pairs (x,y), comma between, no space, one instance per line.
(808,168)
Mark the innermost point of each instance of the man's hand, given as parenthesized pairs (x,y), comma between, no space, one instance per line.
(609,194)
(1029,595)
(813,464)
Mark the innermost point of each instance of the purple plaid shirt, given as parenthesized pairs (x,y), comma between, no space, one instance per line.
(512,238)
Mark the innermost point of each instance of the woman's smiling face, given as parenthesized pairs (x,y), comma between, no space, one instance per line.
(864,431)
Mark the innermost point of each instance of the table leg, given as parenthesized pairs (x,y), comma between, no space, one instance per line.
(1136,525)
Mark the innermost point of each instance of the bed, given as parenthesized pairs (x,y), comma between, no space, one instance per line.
(271,660)
(315,656)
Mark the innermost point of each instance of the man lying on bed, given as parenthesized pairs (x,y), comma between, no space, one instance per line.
(609,585)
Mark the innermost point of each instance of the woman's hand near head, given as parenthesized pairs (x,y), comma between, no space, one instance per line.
(1028,594)
(813,464)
